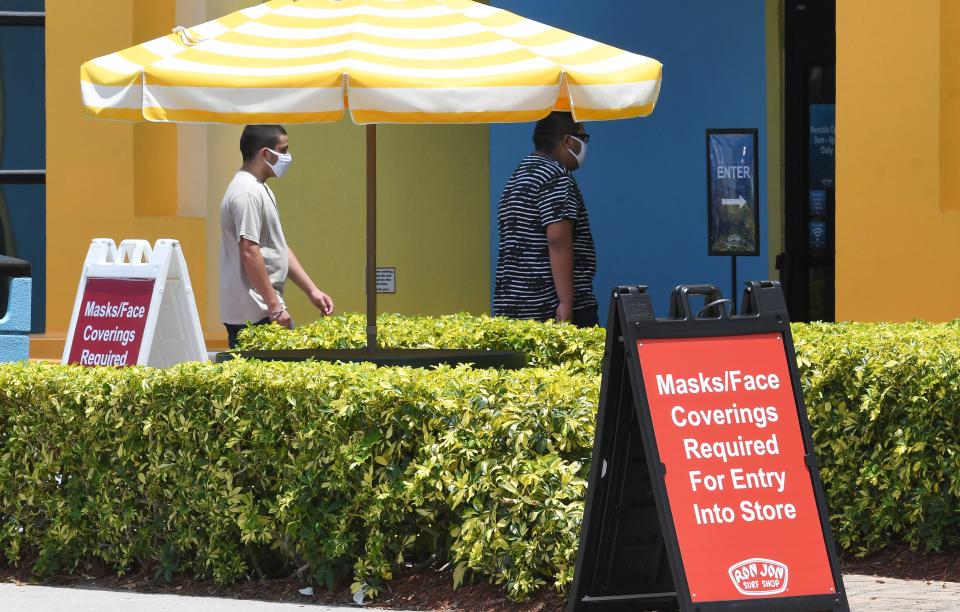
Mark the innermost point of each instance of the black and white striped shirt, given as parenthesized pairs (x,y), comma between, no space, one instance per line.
(540,192)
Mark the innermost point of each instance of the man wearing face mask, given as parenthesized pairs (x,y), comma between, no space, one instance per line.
(255,260)
(546,260)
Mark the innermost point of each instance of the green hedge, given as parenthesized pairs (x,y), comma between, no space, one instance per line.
(884,406)
(227,470)
(218,470)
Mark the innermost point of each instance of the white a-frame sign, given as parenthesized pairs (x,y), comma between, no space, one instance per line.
(134,306)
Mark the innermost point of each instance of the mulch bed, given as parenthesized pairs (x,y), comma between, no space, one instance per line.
(428,589)
(901,562)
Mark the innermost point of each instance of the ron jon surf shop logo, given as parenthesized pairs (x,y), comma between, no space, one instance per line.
(759,576)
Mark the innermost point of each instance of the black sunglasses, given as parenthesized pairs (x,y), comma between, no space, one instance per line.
(584,138)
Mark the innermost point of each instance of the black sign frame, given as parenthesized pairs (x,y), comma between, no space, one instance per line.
(618,526)
(755,206)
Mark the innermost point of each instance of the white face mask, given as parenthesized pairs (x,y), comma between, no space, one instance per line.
(283,162)
(582,155)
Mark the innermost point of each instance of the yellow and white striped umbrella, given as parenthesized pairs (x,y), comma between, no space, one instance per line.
(386,61)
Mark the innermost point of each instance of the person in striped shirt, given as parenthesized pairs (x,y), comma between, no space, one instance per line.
(546,259)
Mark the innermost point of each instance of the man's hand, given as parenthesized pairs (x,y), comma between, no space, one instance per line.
(322,301)
(564,312)
(284,319)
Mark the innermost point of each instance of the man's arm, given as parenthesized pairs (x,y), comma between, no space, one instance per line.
(301,279)
(560,245)
(256,270)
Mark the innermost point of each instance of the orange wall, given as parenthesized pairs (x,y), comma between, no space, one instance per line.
(897,256)
(92,166)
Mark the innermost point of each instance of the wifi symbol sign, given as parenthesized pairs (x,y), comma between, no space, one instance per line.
(818,234)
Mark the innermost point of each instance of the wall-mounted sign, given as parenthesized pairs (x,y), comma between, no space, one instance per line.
(386,280)
(732,192)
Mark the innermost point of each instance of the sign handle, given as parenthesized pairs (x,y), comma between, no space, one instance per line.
(713,303)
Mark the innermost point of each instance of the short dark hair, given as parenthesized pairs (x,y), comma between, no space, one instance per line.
(551,129)
(256,137)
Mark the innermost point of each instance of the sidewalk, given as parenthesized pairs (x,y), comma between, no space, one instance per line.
(873,594)
(25,598)
(865,594)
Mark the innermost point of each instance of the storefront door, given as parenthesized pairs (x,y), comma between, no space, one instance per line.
(807,267)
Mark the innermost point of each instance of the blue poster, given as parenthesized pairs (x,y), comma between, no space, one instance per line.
(823,142)
(732,225)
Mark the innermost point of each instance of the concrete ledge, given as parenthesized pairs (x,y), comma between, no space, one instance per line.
(17,318)
(14,348)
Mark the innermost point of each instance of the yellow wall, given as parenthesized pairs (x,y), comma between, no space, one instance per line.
(434,217)
(896,244)
(432,213)
(149,181)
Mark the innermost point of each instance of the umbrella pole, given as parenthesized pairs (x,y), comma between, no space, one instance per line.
(371,280)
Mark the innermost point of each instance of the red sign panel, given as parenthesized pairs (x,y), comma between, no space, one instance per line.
(740,493)
(111,321)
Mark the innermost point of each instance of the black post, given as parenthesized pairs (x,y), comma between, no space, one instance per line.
(733,287)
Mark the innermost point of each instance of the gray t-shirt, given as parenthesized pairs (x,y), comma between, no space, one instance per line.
(249,210)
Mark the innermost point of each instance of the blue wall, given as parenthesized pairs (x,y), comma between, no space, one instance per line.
(645,179)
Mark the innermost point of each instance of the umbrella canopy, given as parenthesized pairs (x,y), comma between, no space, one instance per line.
(384,61)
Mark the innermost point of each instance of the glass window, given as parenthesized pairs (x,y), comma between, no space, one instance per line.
(22,129)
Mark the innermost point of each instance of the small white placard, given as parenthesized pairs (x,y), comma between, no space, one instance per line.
(386,280)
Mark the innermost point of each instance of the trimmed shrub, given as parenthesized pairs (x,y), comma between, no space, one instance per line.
(884,407)
(220,470)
